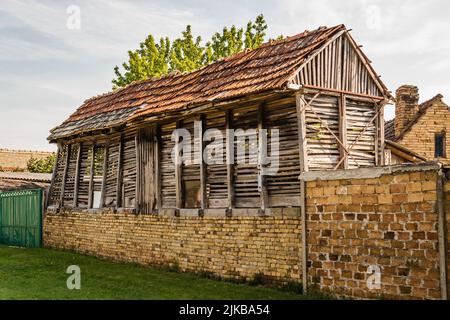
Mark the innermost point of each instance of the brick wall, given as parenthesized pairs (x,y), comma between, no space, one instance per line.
(420,138)
(233,248)
(389,223)
(17,159)
(387,220)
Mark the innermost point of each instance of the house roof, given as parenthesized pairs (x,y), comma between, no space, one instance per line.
(266,68)
(26,176)
(389,126)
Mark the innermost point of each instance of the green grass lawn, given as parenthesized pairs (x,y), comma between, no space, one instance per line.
(41,274)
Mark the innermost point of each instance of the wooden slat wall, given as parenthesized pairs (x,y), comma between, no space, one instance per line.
(323,148)
(84,176)
(246,174)
(58,178)
(190,169)
(284,187)
(359,114)
(111,174)
(216,177)
(129,171)
(167,166)
(339,67)
(69,188)
(147,196)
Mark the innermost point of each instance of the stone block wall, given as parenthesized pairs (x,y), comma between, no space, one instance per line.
(17,159)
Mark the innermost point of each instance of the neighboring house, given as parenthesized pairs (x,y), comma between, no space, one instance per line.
(16,160)
(13,181)
(317,88)
(421,128)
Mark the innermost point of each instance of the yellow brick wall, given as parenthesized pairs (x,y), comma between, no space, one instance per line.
(420,138)
(232,248)
(17,159)
(388,222)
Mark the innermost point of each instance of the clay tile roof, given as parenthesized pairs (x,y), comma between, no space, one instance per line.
(389,126)
(253,71)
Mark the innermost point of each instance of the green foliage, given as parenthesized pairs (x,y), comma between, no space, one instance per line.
(44,165)
(187,53)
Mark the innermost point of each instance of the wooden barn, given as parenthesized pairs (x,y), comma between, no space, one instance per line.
(317,88)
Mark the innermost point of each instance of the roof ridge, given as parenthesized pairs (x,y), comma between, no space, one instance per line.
(266,44)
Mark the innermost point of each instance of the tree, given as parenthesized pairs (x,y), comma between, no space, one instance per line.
(44,165)
(187,53)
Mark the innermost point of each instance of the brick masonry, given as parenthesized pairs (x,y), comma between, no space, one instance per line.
(388,222)
(17,159)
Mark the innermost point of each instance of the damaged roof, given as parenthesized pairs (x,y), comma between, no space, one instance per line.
(389,126)
(266,68)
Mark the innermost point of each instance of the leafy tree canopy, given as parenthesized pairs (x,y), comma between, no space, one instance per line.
(185,54)
(44,165)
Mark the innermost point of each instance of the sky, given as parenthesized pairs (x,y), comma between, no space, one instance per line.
(50,64)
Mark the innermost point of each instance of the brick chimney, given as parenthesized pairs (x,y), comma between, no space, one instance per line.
(406,107)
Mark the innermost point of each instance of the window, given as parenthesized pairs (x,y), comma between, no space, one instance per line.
(439,145)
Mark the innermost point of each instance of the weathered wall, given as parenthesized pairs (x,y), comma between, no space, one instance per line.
(235,248)
(447,213)
(420,138)
(17,159)
(388,222)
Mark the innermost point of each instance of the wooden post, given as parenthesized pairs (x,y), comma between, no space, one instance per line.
(178,170)
(52,183)
(64,177)
(77,176)
(302,142)
(138,199)
(204,201)
(157,152)
(262,157)
(91,178)
(119,174)
(230,158)
(343,130)
(382,143)
(105,174)
(442,233)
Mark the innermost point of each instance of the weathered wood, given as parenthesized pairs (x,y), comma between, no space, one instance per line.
(138,197)
(203,173)
(64,177)
(343,130)
(55,169)
(157,154)
(91,178)
(442,233)
(104,171)
(381,138)
(178,171)
(77,176)
(262,158)
(119,199)
(230,159)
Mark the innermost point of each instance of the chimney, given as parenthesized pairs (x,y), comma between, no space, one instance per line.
(406,107)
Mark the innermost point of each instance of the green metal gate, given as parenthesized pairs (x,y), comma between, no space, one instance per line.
(21,218)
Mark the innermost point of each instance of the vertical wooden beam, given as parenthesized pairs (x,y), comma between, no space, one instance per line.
(91,178)
(64,177)
(442,233)
(382,143)
(119,174)
(138,199)
(77,176)
(55,169)
(230,158)
(377,138)
(262,157)
(343,130)
(105,174)
(157,152)
(178,170)
(204,200)
(302,142)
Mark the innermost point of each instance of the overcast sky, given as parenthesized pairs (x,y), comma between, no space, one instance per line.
(47,69)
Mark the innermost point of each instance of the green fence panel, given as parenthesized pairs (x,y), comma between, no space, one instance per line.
(21,218)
